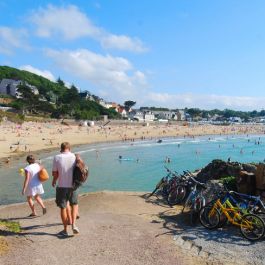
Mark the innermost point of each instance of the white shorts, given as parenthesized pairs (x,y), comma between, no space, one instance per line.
(33,191)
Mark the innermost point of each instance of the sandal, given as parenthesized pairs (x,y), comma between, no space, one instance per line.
(63,233)
(33,215)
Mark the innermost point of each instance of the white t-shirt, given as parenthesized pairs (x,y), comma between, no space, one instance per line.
(64,164)
(34,186)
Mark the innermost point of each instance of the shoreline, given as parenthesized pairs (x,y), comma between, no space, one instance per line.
(18,156)
(35,141)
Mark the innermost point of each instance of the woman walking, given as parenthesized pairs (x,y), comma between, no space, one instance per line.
(32,187)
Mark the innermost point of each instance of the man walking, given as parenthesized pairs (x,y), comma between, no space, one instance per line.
(66,197)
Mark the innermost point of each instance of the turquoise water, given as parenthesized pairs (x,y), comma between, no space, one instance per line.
(108,173)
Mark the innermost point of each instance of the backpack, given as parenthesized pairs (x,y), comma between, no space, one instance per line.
(80,174)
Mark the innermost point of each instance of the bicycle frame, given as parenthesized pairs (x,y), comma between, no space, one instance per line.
(227,212)
(192,196)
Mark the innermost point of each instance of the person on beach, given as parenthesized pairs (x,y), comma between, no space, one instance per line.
(66,197)
(32,187)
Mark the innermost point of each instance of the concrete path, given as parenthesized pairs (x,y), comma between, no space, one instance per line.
(115,229)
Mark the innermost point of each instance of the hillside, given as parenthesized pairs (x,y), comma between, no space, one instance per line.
(54,98)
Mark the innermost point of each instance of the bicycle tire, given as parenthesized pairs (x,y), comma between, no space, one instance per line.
(207,220)
(223,219)
(177,195)
(256,229)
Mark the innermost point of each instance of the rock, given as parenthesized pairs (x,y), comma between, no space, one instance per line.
(260,177)
(246,182)
(249,168)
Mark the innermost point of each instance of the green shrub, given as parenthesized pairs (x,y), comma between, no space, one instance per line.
(229,182)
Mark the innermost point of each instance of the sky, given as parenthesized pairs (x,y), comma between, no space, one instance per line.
(175,53)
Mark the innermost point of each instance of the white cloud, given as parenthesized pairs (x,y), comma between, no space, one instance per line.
(122,42)
(45,73)
(115,78)
(11,39)
(205,101)
(70,23)
(111,75)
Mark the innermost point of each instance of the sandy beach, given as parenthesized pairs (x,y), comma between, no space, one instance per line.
(36,136)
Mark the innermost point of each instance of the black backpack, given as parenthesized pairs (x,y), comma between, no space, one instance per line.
(80,175)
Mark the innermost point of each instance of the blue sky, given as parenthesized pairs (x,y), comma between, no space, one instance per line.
(174,53)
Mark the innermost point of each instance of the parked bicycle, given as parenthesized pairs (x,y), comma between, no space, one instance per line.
(195,200)
(216,213)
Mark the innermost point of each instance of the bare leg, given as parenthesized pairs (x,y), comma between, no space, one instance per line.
(39,201)
(31,204)
(74,213)
(69,215)
(64,218)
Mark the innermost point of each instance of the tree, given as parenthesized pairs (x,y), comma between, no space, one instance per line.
(29,99)
(129,104)
(60,82)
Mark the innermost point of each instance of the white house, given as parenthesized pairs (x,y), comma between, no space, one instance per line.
(10,87)
(180,115)
(141,115)
(149,116)
(136,115)
(235,119)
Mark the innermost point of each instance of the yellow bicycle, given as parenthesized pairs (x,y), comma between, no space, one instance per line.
(216,213)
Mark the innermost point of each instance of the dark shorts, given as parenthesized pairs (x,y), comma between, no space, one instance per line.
(63,195)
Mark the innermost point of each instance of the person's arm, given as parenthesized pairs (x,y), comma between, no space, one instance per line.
(26,182)
(55,177)
(55,173)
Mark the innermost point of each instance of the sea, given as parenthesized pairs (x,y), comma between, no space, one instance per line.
(142,165)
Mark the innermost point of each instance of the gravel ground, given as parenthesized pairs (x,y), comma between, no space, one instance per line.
(225,245)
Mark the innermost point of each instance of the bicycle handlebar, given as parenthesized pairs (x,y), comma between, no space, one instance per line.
(171,172)
(198,183)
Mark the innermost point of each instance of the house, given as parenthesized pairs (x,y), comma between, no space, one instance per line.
(136,115)
(10,87)
(235,119)
(141,115)
(149,116)
(122,111)
(86,95)
(180,115)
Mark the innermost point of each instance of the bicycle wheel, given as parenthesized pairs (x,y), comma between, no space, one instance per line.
(177,195)
(209,217)
(252,227)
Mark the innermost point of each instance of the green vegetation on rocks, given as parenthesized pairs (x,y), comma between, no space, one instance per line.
(229,182)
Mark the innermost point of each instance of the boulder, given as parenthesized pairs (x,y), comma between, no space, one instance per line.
(260,177)
(246,182)
(218,169)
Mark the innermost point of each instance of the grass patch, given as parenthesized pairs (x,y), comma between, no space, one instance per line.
(10,226)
